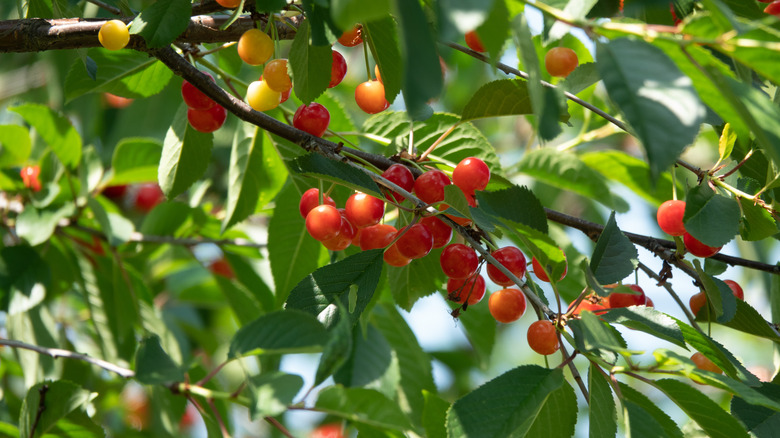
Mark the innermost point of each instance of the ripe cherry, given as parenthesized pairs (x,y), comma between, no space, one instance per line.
(473,41)
(275,74)
(222,268)
(704,363)
(670,217)
(511,258)
(507,305)
(346,234)
(194,98)
(697,248)
(459,261)
(591,303)
(542,337)
(736,289)
(352,37)
(370,97)
(114,35)
(337,70)
(649,303)
(208,120)
(540,273)
(261,97)
(402,177)
(323,222)
(115,193)
(147,196)
(311,199)
(393,257)
(364,210)
(429,186)
(230,4)
(255,47)
(376,236)
(327,431)
(312,118)
(471,174)
(462,289)
(624,299)
(773,8)
(416,242)
(441,232)
(560,61)
(696,302)
(30,177)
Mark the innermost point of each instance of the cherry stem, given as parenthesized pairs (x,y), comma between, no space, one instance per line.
(438,141)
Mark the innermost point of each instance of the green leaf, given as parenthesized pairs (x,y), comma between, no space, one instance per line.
(760,421)
(348,12)
(24,279)
(153,365)
(711,218)
(310,65)
(567,171)
(422,80)
(494,31)
(465,15)
(270,5)
(371,363)
(757,223)
(748,320)
(717,353)
(241,300)
(640,423)
(660,417)
(280,332)
(701,408)
(185,156)
(37,225)
(516,204)
(48,402)
(15,145)
(504,97)
(338,347)
(434,415)
(136,160)
(614,257)
(335,171)
(272,393)
(584,76)
(558,416)
(116,227)
(648,320)
(656,98)
(418,279)
(381,35)
(505,406)
(126,73)
(360,405)
(591,334)
(55,129)
(162,22)
(480,328)
(719,295)
(250,282)
(603,420)
(577,10)
(166,219)
(632,172)
(318,293)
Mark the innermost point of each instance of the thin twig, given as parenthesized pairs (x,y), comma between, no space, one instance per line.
(575,373)
(220,421)
(112,9)
(275,423)
(691,318)
(41,407)
(212,373)
(56,352)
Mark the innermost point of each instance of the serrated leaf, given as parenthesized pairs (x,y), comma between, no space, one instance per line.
(558,416)
(244,304)
(516,204)
(723,358)
(55,129)
(760,421)
(162,22)
(707,413)
(506,405)
(656,98)
(153,365)
(639,423)
(711,218)
(360,405)
(504,97)
(371,363)
(338,347)
(280,332)
(318,293)
(126,73)
(581,78)
(591,334)
(757,223)
(381,35)
(614,257)
(416,280)
(648,320)
(567,171)
(632,172)
(310,65)
(603,419)
(272,393)
(719,295)
(494,31)
(48,402)
(136,160)
(37,225)
(748,320)
(330,170)
(15,145)
(661,418)
(435,415)
(185,156)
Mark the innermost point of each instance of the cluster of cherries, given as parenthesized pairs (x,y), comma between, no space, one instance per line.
(203,113)
(559,61)
(670,220)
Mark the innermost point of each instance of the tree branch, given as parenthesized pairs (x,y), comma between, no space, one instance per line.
(56,352)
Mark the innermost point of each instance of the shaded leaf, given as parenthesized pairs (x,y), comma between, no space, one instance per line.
(48,402)
(153,365)
(361,405)
(648,320)
(185,156)
(162,22)
(711,218)
(55,129)
(603,418)
(126,73)
(381,35)
(310,65)
(330,170)
(136,160)
(280,332)
(614,257)
(272,393)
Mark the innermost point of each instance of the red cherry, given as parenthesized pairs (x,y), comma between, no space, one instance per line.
(364,210)
(327,431)
(337,70)
(459,261)
(670,217)
(462,289)
(702,362)
(736,289)
(30,178)
(393,257)
(620,299)
(370,97)
(115,193)
(222,268)
(346,233)
(542,337)
(208,120)
(511,258)
(441,232)
(697,248)
(323,222)
(429,187)
(194,98)
(696,302)
(311,199)
(507,305)
(376,236)
(591,303)
(473,41)
(471,174)
(773,8)
(416,242)
(352,37)
(312,118)
(649,303)
(540,273)
(402,177)
(147,197)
